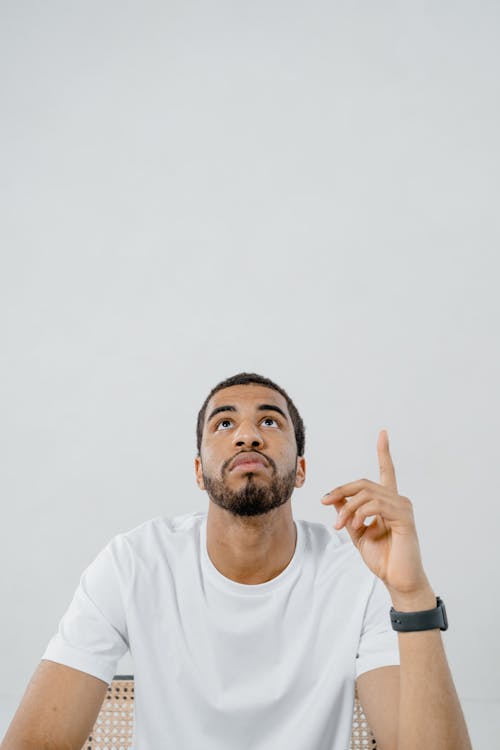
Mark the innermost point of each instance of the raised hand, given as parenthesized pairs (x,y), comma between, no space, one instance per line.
(389,544)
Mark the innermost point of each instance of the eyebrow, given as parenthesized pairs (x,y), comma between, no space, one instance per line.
(260,407)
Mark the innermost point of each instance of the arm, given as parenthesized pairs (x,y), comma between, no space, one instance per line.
(430,714)
(414,705)
(378,692)
(58,710)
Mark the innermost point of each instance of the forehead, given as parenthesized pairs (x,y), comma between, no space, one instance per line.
(246,396)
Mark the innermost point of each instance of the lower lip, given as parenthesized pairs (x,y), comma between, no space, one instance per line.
(249,465)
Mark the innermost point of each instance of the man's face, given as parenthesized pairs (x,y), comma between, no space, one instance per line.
(253,427)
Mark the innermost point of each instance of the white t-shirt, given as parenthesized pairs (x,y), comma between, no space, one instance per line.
(221,665)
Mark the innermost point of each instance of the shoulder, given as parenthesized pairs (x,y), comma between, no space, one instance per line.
(156,537)
(320,536)
(335,556)
(163,526)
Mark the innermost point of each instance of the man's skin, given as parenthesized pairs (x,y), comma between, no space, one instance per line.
(251,534)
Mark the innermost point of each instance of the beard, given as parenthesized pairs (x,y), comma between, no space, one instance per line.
(255,497)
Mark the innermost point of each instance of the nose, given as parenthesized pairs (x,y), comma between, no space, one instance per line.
(248,435)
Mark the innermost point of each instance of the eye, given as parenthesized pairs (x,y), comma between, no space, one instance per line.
(219,423)
(272,419)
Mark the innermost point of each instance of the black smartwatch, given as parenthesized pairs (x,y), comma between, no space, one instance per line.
(427,619)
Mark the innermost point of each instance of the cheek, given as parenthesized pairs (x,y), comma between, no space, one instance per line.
(286,457)
(212,459)
(211,453)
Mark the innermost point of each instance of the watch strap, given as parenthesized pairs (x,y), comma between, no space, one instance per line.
(427,619)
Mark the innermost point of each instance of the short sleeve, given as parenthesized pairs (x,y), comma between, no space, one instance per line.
(378,643)
(92,634)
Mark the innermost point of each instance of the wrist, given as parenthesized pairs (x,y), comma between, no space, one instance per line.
(416,601)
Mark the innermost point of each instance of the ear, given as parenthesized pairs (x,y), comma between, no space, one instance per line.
(198,472)
(300,476)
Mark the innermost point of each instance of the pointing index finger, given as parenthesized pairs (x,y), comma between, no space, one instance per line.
(387,471)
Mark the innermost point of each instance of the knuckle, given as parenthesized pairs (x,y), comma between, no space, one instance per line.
(408,506)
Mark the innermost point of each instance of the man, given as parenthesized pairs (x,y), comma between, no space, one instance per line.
(250,630)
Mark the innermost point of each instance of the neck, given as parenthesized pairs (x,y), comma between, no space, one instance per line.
(250,549)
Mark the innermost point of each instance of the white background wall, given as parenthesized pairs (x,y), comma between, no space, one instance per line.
(304,190)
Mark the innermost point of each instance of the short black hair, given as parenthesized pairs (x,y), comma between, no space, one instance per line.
(244,378)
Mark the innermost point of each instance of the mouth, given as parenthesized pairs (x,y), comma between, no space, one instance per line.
(249,461)
(249,466)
